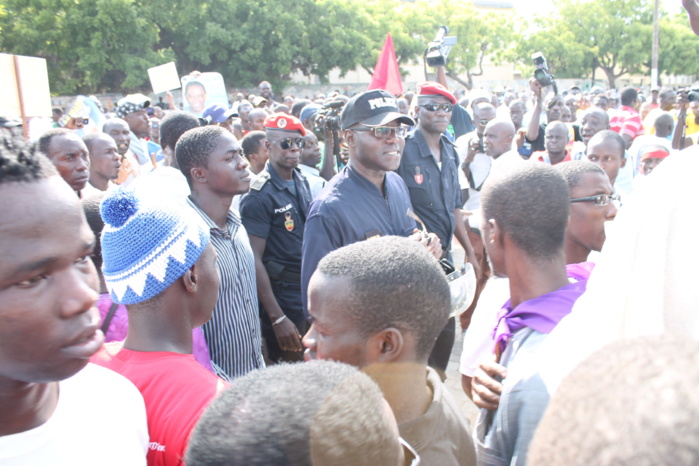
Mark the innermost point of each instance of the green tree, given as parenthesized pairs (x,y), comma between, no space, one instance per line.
(90,45)
(480,34)
(679,47)
(565,57)
(617,33)
(268,39)
(612,35)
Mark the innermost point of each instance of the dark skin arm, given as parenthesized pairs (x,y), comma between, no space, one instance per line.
(462,237)
(533,128)
(460,229)
(692,8)
(327,169)
(286,332)
(677,135)
(474,147)
(628,139)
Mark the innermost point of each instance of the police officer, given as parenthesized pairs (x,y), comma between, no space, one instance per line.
(429,167)
(274,214)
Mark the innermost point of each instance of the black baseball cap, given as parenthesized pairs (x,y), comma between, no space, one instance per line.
(373,108)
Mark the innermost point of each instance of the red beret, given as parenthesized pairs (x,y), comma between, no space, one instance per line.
(432,88)
(284,122)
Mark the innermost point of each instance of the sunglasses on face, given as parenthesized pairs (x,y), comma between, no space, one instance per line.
(483,122)
(434,107)
(600,200)
(286,143)
(382,132)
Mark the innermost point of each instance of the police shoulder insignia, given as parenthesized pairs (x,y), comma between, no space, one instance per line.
(259,180)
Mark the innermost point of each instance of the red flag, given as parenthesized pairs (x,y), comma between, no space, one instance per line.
(386,73)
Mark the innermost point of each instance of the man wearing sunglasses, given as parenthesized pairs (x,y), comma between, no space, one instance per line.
(429,167)
(274,215)
(366,199)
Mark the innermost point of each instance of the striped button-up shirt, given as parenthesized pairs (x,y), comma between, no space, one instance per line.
(233,333)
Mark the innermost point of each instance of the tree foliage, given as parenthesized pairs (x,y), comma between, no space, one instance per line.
(679,47)
(107,45)
(614,36)
(91,45)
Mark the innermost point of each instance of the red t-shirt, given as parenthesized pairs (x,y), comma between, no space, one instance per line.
(176,390)
(627,121)
(542,156)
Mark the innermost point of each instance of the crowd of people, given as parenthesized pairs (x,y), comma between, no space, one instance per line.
(252,285)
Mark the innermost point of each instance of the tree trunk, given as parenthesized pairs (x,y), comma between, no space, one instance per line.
(611,77)
(467,84)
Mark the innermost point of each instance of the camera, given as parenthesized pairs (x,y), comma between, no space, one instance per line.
(541,73)
(328,117)
(438,50)
(692,94)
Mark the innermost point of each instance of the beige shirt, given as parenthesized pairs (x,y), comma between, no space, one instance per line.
(441,436)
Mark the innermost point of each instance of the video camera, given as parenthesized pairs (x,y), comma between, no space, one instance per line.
(541,73)
(692,94)
(328,117)
(438,50)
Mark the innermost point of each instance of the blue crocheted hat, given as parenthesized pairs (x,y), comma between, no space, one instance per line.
(145,248)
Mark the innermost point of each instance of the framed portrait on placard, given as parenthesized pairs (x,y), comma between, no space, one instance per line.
(203,90)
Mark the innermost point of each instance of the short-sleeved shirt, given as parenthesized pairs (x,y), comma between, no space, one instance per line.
(273,212)
(627,121)
(538,144)
(434,189)
(543,156)
(349,209)
(176,390)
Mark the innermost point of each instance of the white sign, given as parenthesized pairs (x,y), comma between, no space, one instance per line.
(164,77)
(28,81)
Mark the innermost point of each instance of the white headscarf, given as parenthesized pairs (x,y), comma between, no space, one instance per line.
(647,278)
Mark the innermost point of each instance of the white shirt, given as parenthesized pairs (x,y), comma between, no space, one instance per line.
(315,181)
(100,418)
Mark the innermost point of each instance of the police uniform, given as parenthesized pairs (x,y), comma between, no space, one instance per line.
(435,194)
(273,212)
(434,189)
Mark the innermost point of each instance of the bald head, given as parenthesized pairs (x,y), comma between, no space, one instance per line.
(256,119)
(497,137)
(594,121)
(556,138)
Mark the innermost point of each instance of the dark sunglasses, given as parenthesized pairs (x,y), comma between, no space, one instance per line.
(382,132)
(434,107)
(286,143)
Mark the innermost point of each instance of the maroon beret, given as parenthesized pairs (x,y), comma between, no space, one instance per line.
(284,122)
(432,88)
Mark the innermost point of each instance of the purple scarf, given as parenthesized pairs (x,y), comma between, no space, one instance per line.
(543,312)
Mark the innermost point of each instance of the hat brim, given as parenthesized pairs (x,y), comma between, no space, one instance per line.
(301,130)
(382,119)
